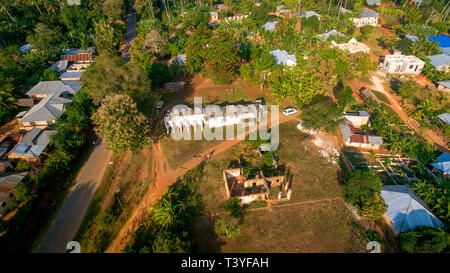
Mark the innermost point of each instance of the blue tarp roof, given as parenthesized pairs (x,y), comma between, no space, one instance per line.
(405,210)
(442,163)
(443,40)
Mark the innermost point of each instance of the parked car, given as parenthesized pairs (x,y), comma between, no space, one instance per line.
(289,111)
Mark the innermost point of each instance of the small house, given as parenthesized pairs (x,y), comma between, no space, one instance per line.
(440,61)
(33,144)
(283,58)
(7,185)
(366,18)
(442,165)
(270,26)
(406,211)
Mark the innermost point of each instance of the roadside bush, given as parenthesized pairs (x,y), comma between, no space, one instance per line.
(425,240)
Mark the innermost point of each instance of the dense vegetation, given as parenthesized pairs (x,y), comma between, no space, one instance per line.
(169,226)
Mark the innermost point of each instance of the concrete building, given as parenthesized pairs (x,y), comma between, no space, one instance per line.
(366,18)
(181,119)
(402,64)
(352,46)
(7,184)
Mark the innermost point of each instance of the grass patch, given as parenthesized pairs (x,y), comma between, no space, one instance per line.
(324,226)
(381,96)
(123,186)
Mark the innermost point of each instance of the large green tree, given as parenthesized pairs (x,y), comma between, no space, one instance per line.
(362,189)
(119,120)
(299,85)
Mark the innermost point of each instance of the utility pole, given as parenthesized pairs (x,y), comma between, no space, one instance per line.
(120,203)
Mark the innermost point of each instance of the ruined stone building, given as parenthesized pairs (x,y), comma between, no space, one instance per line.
(249,190)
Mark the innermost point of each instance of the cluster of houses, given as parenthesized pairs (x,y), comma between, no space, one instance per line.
(46,102)
(215,19)
(354,136)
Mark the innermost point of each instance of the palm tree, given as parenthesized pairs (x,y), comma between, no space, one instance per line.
(7,101)
(7,12)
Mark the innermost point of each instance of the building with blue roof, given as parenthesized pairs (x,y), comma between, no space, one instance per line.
(442,164)
(443,41)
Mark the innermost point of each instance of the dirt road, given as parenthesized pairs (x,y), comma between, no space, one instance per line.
(164,176)
(130,35)
(69,218)
(395,105)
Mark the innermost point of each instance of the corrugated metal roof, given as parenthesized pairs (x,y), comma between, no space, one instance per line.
(412,38)
(49,108)
(270,26)
(445,117)
(282,57)
(405,210)
(442,163)
(439,59)
(327,35)
(70,75)
(50,87)
(59,66)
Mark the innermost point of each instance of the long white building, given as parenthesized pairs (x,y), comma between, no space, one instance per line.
(183,118)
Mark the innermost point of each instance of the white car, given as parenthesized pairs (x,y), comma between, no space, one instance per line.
(289,111)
